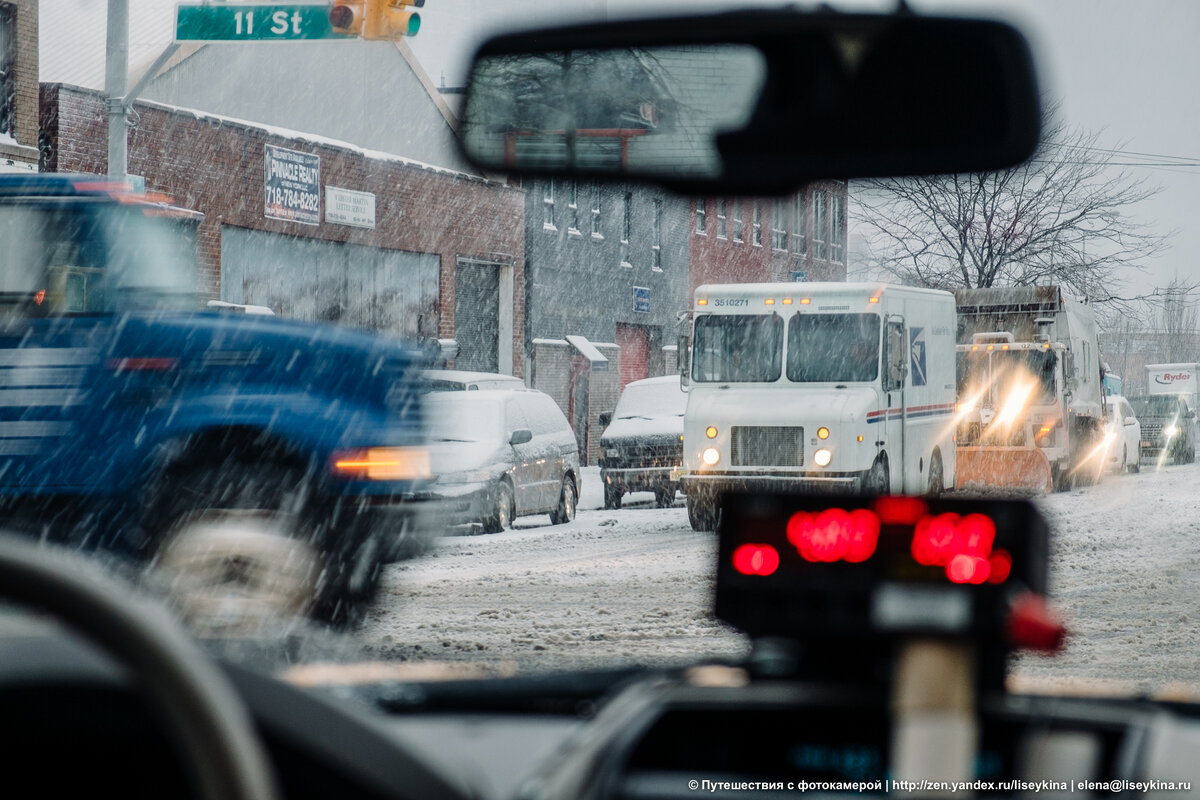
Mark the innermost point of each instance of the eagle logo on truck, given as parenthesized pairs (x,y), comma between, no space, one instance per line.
(916,349)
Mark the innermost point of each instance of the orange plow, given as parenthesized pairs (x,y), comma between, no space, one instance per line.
(991,468)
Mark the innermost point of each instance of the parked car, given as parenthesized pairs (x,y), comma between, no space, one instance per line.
(641,449)
(1168,429)
(502,454)
(1123,433)
(457,380)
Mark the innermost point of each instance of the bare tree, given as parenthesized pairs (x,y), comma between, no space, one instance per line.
(1177,324)
(1062,217)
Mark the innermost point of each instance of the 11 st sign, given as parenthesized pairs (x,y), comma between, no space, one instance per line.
(242,23)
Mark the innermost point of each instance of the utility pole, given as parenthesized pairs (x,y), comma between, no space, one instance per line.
(116,75)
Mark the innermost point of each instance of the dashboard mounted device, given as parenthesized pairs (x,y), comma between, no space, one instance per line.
(859,571)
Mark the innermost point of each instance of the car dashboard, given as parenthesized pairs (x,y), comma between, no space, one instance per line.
(75,723)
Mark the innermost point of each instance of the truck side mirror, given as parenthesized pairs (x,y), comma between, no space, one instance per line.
(606,418)
(521,436)
(684,357)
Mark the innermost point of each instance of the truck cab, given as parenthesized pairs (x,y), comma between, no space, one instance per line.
(831,386)
(135,420)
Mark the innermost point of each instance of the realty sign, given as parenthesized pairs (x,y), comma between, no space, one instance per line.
(292,185)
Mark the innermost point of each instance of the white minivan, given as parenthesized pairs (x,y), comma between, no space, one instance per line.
(501,454)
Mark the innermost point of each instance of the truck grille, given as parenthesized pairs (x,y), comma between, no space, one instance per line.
(662,454)
(768,447)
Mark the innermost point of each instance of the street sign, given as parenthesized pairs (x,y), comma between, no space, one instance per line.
(257,23)
(641,298)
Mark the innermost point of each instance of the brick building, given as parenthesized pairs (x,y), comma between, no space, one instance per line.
(18,85)
(398,267)
(801,237)
(606,276)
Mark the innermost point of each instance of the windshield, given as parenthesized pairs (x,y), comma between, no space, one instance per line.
(329,186)
(654,399)
(1156,406)
(989,376)
(94,258)
(833,347)
(736,349)
(461,417)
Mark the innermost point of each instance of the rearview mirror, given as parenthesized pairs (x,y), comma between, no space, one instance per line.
(521,436)
(777,99)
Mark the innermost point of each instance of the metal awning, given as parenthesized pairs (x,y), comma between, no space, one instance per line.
(596,359)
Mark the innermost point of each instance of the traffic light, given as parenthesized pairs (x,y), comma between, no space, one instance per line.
(388,19)
(346,17)
(375,19)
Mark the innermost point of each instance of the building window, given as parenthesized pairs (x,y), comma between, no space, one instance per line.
(596,212)
(626,224)
(778,226)
(573,206)
(702,216)
(738,225)
(837,232)
(8,61)
(800,225)
(720,219)
(548,205)
(656,236)
(820,222)
(756,225)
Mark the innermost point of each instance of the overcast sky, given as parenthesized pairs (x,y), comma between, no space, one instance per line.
(1128,69)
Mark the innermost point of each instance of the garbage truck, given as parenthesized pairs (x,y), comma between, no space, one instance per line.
(1029,413)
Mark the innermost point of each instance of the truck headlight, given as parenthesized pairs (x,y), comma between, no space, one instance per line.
(710,456)
(1171,431)
(822,457)
(822,432)
(382,463)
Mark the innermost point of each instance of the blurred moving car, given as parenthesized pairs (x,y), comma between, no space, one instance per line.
(641,449)
(502,454)
(457,380)
(1167,428)
(1123,433)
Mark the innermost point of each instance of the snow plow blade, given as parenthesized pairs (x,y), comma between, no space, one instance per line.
(1023,468)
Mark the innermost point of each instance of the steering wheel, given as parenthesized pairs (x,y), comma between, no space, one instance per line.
(212,729)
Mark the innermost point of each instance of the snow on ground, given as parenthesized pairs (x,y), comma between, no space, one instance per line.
(1125,572)
(635,586)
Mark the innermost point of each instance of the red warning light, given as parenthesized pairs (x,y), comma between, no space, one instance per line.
(935,540)
(1001,566)
(976,534)
(963,545)
(756,559)
(900,510)
(834,535)
(964,568)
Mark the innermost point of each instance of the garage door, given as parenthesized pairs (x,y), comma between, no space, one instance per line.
(391,291)
(634,342)
(477,315)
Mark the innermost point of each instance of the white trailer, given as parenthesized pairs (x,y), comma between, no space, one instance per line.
(1181,379)
(826,386)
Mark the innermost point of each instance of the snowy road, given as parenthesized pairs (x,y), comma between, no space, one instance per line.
(634,585)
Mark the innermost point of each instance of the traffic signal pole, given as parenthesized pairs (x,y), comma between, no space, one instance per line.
(116,72)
